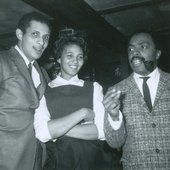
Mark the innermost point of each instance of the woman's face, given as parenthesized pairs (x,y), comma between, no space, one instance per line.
(71,61)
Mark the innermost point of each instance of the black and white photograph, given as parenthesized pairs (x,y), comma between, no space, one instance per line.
(84,84)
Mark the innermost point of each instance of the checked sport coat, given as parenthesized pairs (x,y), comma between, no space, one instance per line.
(144,136)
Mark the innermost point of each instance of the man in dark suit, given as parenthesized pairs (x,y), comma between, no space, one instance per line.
(20,93)
(144,130)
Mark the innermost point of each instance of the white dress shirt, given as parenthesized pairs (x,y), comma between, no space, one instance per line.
(35,75)
(36,81)
(42,115)
(152,84)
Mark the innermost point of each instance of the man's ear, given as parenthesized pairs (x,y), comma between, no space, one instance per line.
(19,34)
(158,54)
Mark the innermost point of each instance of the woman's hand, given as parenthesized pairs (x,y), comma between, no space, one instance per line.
(88,114)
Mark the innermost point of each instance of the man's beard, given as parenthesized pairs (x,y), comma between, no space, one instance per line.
(149,64)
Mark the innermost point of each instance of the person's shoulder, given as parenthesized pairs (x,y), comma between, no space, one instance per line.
(5,56)
(6,53)
(45,74)
(165,78)
(124,81)
(164,74)
(97,85)
(87,82)
(123,85)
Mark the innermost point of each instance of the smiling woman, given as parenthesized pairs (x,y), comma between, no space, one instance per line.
(71,53)
(76,114)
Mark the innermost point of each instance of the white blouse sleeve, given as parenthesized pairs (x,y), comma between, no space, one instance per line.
(98,109)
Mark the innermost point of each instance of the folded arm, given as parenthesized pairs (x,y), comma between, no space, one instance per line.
(84,131)
(59,127)
(47,129)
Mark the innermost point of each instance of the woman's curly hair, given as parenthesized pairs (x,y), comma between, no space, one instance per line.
(69,39)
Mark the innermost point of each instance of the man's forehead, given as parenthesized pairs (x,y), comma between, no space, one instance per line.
(141,38)
(39,26)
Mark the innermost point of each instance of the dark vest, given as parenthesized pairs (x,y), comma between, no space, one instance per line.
(74,153)
(64,100)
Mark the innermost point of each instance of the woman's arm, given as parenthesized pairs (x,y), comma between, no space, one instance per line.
(58,127)
(47,129)
(92,131)
(98,109)
(84,131)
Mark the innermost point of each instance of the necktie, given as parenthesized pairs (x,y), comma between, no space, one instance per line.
(36,78)
(34,75)
(146,93)
(30,69)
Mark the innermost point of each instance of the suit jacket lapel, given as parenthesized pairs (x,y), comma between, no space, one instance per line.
(19,61)
(133,87)
(42,85)
(161,86)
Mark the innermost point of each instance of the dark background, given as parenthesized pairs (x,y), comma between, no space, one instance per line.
(107,24)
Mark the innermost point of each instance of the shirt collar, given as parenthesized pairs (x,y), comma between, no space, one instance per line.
(59,81)
(153,75)
(23,56)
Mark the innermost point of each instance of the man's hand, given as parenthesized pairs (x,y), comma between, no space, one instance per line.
(111,103)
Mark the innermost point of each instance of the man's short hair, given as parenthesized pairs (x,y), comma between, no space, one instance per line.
(24,22)
(155,38)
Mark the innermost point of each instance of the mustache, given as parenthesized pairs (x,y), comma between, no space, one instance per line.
(137,57)
(149,64)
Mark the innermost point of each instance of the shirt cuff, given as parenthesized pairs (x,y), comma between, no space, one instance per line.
(43,135)
(116,124)
(101,135)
